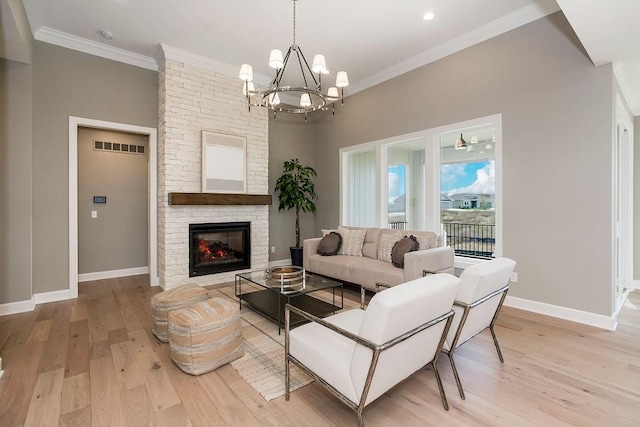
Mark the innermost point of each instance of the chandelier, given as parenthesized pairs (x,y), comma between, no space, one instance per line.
(296,99)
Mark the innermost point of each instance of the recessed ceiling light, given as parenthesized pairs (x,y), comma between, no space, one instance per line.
(429,16)
(106,34)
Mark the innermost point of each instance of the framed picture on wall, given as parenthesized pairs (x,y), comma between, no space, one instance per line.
(224,163)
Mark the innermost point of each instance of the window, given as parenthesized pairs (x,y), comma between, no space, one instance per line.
(468,190)
(406,183)
(431,180)
(361,189)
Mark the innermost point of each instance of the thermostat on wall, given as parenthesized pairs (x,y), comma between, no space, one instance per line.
(99,199)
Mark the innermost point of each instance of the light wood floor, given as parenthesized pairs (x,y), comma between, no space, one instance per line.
(93,361)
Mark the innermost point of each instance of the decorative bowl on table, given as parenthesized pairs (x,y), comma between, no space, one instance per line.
(289,277)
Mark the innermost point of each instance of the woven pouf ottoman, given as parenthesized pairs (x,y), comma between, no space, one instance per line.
(173,299)
(205,336)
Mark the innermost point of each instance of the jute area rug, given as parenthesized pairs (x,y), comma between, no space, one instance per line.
(262,365)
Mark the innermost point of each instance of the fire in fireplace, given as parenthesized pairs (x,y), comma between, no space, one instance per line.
(219,247)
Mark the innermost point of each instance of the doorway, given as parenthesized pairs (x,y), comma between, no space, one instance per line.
(112,204)
(622,205)
(74,124)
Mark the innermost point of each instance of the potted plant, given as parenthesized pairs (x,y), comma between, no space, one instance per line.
(296,191)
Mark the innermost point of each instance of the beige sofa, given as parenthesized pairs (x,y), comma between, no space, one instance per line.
(367,270)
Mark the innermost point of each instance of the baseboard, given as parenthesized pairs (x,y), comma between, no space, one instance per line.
(54,296)
(17,307)
(280,262)
(565,313)
(100,275)
(30,305)
(635,284)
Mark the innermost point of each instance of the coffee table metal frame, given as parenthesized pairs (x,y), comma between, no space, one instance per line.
(271,296)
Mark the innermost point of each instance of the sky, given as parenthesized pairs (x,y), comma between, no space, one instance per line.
(455,178)
(396,181)
(477,177)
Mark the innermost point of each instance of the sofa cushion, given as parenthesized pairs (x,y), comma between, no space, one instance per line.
(385,244)
(337,266)
(367,272)
(352,241)
(330,244)
(426,239)
(402,246)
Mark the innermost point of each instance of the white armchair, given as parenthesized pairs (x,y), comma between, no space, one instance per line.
(483,288)
(360,354)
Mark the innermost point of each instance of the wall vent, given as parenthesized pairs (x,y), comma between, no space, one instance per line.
(118,147)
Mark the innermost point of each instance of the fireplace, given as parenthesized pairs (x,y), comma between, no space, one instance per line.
(219,247)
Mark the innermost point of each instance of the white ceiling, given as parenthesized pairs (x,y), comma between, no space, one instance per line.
(610,33)
(373,40)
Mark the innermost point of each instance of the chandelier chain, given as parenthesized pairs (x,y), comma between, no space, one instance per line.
(294,22)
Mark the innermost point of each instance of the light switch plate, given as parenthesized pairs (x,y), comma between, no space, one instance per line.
(94,214)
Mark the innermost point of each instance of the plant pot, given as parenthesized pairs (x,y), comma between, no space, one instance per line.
(296,255)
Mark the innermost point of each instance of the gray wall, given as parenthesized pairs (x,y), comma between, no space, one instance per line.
(69,83)
(118,238)
(289,137)
(557,128)
(15,181)
(636,199)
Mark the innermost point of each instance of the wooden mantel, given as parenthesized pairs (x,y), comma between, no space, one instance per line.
(176,199)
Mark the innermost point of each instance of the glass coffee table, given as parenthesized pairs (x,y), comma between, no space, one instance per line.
(268,296)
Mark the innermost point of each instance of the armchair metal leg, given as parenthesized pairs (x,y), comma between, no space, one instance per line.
(287,378)
(455,374)
(495,341)
(287,369)
(443,397)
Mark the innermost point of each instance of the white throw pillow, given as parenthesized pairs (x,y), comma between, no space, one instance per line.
(352,241)
(385,244)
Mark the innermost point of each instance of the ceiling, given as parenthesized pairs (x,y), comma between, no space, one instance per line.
(373,40)
(610,33)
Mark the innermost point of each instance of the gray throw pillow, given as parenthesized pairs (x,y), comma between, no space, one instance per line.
(402,246)
(330,244)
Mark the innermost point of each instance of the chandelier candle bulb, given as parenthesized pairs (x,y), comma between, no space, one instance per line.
(275,59)
(246,73)
(342,80)
(274,99)
(305,100)
(319,65)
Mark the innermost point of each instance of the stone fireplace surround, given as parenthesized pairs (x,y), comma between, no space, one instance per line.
(195,94)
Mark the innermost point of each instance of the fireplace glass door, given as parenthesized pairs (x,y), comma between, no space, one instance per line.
(219,247)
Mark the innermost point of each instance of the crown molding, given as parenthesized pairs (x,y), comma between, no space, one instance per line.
(492,29)
(49,35)
(632,99)
(229,70)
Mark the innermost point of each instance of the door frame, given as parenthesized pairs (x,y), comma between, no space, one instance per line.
(622,190)
(152,134)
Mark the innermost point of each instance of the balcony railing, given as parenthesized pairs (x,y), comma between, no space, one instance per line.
(471,240)
(398,225)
